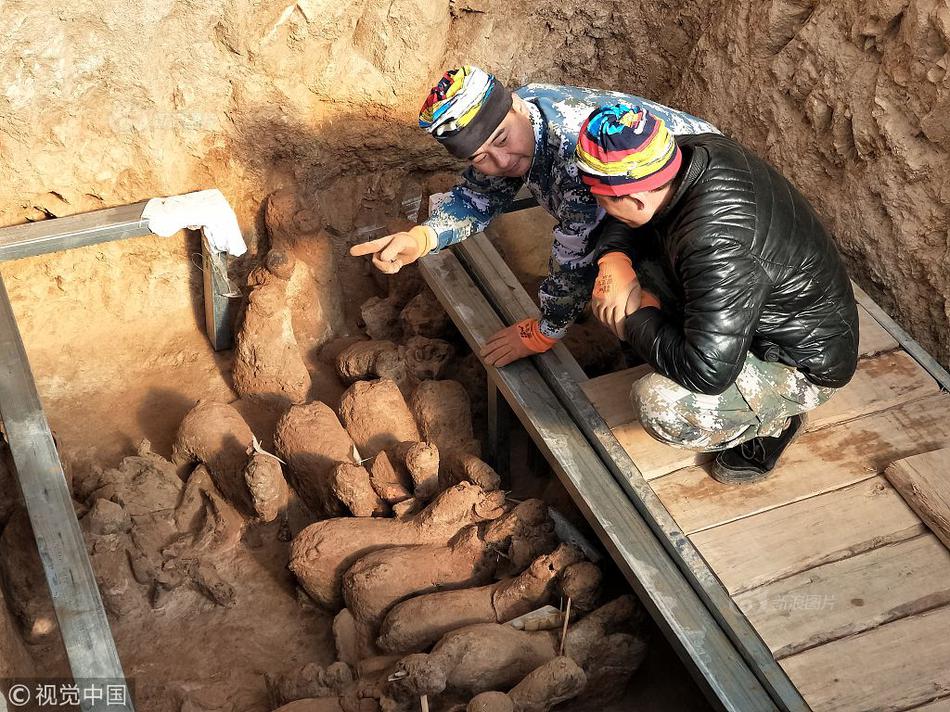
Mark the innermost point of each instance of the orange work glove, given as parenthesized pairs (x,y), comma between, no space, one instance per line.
(615,286)
(393,252)
(516,342)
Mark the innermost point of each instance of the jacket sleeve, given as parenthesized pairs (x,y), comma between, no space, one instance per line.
(724,289)
(566,291)
(470,206)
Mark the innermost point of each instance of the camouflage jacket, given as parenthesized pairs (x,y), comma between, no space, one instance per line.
(556,113)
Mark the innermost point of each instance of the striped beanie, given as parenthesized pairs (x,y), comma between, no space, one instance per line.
(625,149)
(464,109)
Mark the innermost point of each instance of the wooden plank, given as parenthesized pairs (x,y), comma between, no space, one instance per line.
(87,637)
(502,291)
(887,669)
(872,337)
(881,382)
(610,394)
(780,542)
(653,458)
(850,596)
(655,578)
(923,483)
(479,255)
(819,462)
(941,705)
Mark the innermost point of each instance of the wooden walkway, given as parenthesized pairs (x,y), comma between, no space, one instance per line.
(817,588)
(839,577)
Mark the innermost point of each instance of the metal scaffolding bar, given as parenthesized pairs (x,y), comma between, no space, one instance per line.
(45,236)
(72,584)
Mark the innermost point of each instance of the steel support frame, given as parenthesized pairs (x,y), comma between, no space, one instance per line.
(85,630)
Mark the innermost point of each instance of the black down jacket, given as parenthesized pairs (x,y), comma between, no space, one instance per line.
(753,269)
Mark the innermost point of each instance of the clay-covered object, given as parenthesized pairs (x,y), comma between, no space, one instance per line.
(524,533)
(265,481)
(376,416)
(323,551)
(267,358)
(478,658)
(581,582)
(424,316)
(585,638)
(382,578)
(495,656)
(444,414)
(391,482)
(460,466)
(311,440)
(308,681)
(141,484)
(492,701)
(351,486)
(358,360)
(27,593)
(417,623)
(216,435)
(427,358)
(556,681)
(422,463)
(381,318)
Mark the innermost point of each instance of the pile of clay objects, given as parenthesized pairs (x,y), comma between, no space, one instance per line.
(441,586)
(450,608)
(446,593)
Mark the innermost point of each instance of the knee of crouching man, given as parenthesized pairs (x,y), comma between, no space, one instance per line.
(655,405)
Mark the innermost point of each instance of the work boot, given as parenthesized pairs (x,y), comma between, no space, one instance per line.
(754,459)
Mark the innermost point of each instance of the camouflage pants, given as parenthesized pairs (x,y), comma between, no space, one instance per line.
(760,402)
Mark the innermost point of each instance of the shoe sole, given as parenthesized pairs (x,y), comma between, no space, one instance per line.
(729,476)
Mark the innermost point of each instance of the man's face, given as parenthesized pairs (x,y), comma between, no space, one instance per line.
(510,149)
(635,209)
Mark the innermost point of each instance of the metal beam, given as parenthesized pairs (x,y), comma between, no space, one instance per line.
(660,585)
(45,236)
(499,432)
(508,297)
(907,342)
(220,302)
(72,584)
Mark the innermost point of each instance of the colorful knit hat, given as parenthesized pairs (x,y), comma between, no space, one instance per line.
(625,149)
(464,109)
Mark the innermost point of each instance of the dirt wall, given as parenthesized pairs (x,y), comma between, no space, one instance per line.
(107,103)
(852,101)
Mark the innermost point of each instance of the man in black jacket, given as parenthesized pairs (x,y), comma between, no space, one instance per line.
(719,274)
